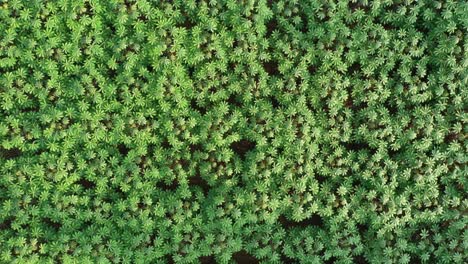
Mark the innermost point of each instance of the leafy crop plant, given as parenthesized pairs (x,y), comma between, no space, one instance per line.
(249,131)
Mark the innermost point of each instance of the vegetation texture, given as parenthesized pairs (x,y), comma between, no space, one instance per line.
(293,131)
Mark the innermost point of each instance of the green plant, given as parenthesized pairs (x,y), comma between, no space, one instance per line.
(140,131)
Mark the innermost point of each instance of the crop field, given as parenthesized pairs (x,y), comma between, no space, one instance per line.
(233,131)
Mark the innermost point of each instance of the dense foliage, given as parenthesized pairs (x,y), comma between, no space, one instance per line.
(293,131)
